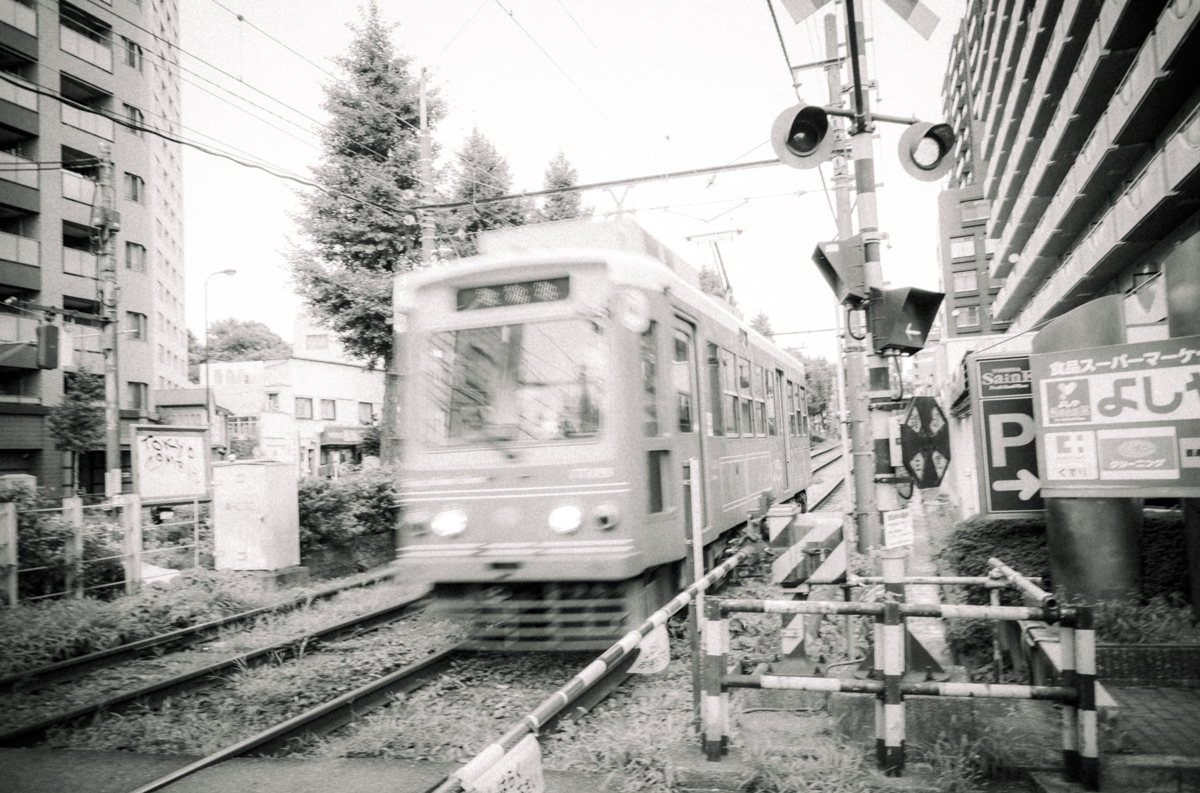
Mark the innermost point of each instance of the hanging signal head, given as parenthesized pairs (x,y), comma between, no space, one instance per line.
(925,150)
(801,136)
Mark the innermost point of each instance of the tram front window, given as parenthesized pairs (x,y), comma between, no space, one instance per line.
(541,381)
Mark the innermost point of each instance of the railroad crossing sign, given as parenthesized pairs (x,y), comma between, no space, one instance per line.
(925,439)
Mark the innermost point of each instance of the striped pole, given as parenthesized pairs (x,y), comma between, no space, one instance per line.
(1070,722)
(997,657)
(716,647)
(1085,665)
(893,702)
(931,689)
(877,664)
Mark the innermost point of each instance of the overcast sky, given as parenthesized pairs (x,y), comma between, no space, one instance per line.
(624,87)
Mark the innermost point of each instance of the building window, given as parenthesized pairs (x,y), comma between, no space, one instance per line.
(366,413)
(968,317)
(328,410)
(135,118)
(133,54)
(242,426)
(135,188)
(135,257)
(990,245)
(137,395)
(974,211)
(966,282)
(135,326)
(304,408)
(962,247)
(317,342)
(272,401)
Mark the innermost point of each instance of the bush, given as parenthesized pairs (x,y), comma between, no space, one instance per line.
(335,512)
(1018,542)
(1164,556)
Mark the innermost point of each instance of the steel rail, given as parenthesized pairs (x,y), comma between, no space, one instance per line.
(73,668)
(208,675)
(324,718)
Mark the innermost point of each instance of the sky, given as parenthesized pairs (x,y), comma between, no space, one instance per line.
(625,88)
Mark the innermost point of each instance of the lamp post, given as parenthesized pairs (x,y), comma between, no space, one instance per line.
(207,372)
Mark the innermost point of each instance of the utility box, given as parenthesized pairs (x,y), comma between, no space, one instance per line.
(256,515)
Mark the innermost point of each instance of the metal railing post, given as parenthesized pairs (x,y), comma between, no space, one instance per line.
(195,532)
(8,552)
(1070,720)
(131,522)
(1085,665)
(72,508)
(716,647)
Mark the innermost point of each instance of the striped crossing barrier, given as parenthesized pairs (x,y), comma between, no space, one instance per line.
(1077,693)
(809,550)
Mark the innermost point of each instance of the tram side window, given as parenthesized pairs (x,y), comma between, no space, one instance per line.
(805,422)
(650,380)
(770,389)
(800,409)
(747,403)
(730,400)
(760,424)
(656,470)
(681,373)
(716,421)
(791,410)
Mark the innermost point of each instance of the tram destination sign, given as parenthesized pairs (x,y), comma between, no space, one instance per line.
(546,290)
(1121,421)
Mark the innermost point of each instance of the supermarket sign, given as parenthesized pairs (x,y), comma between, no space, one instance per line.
(1120,421)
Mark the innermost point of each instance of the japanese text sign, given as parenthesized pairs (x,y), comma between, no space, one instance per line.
(1003,394)
(1120,421)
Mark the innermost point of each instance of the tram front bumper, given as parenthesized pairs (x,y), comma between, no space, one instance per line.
(613,560)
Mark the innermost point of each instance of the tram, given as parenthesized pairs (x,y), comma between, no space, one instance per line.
(564,392)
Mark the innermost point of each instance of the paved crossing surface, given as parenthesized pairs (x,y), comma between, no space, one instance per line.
(1159,720)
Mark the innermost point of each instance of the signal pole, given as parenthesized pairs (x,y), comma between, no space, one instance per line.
(107,222)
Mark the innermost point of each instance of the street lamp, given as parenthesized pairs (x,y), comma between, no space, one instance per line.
(207,372)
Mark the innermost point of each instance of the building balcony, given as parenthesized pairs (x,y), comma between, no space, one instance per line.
(18,341)
(21,250)
(20,16)
(18,95)
(14,168)
(77,262)
(78,188)
(97,53)
(96,124)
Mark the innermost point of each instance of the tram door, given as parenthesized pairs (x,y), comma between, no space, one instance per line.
(684,393)
(776,403)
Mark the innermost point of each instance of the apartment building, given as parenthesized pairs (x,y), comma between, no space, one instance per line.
(76,77)
(1076,172)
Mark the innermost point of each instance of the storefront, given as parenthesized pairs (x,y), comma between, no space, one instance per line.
(340,448)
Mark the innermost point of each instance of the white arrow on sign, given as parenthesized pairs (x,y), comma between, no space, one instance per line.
(910,333)
(1026,482)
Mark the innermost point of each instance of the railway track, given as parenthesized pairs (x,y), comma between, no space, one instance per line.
(153,694)
(74,668)
(826,486)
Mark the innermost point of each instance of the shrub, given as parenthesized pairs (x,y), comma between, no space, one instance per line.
(335,512)
(1164,558)
(1018,542)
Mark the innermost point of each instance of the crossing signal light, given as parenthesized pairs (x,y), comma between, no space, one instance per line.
(925,150)
(843,264)
(802,137)
(47,346)
(900,319)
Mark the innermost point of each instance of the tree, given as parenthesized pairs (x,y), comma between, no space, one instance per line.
(819,389)
(354,229)
(480,173)
(77,422)
(244,340)
(762,323)
(195,357)
(562,206)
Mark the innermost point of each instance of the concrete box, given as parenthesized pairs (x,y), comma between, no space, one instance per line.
(256,515)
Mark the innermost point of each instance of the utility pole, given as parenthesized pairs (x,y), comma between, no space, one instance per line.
(107,221)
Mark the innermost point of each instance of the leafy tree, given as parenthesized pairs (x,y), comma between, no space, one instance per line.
(357,228)
(762,323)
(710,283)
(562,206)
(244,340)
(77,422)
(819,388)
(195,357)
(479,173)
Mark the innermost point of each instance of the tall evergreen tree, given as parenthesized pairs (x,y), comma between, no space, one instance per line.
(562,206)
(353,227)
(762,323)
(479,173)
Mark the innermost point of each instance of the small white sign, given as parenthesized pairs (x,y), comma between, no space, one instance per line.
(656,653)
(897,528)
(519,771)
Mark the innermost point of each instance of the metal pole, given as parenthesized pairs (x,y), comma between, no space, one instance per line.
(207,369)
(106,221)
(426,168)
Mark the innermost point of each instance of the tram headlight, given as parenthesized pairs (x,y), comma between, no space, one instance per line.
(565,520)
(449,523)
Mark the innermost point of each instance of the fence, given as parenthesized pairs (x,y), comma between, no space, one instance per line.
(78,549)
(1076,693)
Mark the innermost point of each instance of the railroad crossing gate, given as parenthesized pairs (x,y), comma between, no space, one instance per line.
(810,551)
(925,439)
